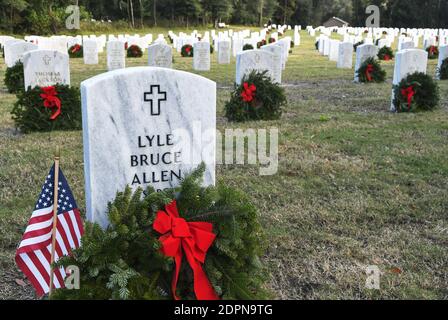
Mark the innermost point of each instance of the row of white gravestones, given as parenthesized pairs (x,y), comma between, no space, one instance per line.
(145,127)
(407,62)
(364,52)
(45,68)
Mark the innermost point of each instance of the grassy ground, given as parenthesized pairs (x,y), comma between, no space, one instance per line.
(356,186)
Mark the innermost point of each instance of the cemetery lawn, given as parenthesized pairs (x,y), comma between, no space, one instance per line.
(356,186)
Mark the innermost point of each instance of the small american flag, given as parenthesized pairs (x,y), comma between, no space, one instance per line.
(33,255)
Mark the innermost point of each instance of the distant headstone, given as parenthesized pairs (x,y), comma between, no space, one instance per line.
(15,52)
(160,55)
(277,60)
(116,55)
(45,68)
(250,60)
(90,51)
(224,53)
(364,52)
(408,62)
(145,127)
(443,55)
(201,56)
(345,57)
(334,50)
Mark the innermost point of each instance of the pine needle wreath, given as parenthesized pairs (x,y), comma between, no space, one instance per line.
(257,98)
(386,54)
(212,49)
(187,51)
(124,261)
(30,115)
(248,46)
(371,71)
(261,43)
(433,52)
(134,51)
(316,45)
(76,51)
(442,72)
(14,80)
(416,92)
(271,40)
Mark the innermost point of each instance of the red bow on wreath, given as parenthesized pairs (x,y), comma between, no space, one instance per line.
(386,57)
(369,71)
(51,100)
(187,49)
(408,93)
(248,92)
(76,48)
(195,238)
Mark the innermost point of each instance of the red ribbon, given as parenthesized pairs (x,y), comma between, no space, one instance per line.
(408,93)
(187,49)
(51,100)
(248,92)
(369,71)
(195,238)
(386,57)
(76,48)
(432,50)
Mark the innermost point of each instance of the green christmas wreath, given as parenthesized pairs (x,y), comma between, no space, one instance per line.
(14,78)
(442,72)
(248,46)
(261,43)
(433,52)
(187,51)
(257,98)
(134,51)
(45,109)
(371,71)
(129,259)
(386,54)
(416,92)
(76,51)
(271,40)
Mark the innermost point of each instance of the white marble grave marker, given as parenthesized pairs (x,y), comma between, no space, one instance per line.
(201,56)
(250,60)
(160,55)
(116,55)
(364,52)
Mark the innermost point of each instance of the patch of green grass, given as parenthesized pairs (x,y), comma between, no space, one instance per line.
(356,185)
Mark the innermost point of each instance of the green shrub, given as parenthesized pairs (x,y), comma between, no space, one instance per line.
(14,80)
(265,102)
(443,70)
(30,114)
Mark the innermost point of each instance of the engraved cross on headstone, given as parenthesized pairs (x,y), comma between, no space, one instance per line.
(155,97)
(46,60)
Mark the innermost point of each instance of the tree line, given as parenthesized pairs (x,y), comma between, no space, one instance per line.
(48,16)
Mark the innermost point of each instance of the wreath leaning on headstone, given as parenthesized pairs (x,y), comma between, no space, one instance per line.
(248,46)
(257,98)
(416,92)
(433,52)
(356,45)
(134,51)
(371,71)
(442,72)
(14,78)
(76,51)
(48,108)
(216,234)
(386,54)
(187,51)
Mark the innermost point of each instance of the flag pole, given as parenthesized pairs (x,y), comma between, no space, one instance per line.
(57,156)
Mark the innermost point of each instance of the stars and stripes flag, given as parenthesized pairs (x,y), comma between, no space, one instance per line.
(33,255)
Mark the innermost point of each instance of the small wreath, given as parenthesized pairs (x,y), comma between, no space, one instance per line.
(14,78)
(292,44)
(442,72)
(248,46)
(76,51)
(187,51)
(371,71)
(316,44)
(433,52)
(417,92)
(257,98)
(134,51)
(56,107)
(261,43)
(271,40)
(386,54)
(212,49)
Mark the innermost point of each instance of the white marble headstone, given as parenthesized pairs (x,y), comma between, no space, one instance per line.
(277,51)
(45,68)
(90,51)
(201,56)
(224,52)
(116,55)
(145,126)
(364,52)
(345,58)
(408,62)
(250,60)
(334,50)
(160,55)
(443,54)
(16,50)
